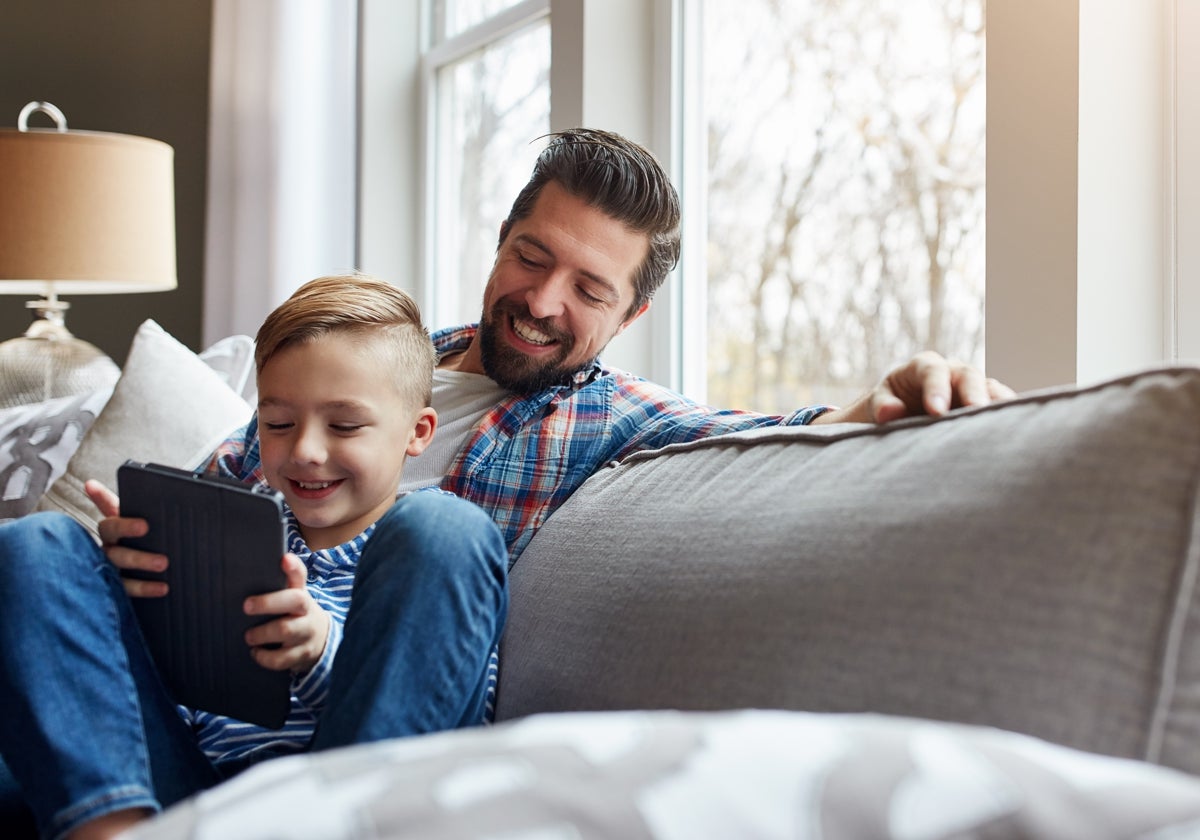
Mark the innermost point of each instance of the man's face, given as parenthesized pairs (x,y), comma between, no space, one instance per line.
(560,288)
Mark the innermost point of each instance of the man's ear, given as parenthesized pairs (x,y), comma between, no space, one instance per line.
(641,310)
(423,428)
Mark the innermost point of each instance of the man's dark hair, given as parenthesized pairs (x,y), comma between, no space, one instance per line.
(623,180)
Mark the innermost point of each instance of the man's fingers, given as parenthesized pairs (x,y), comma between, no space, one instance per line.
(926,384)
(933,383)
(970,386)
(886,407)
(997,390)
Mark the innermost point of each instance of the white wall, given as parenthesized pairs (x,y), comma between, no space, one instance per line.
(1184,323)
(1123,178)
(389,138)
(1078,189)
(1032,123)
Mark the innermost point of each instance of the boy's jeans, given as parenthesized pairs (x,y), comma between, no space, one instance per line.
(86,726)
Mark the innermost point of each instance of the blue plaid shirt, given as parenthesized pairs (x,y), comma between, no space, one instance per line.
(531,452)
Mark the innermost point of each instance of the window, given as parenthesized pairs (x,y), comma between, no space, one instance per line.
(487,96)
(1049,267)
(844,185)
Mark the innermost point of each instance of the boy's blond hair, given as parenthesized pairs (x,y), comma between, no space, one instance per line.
(365,307)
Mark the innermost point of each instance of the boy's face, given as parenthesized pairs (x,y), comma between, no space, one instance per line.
(334,432)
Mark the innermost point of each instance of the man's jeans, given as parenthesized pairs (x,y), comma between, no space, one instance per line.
(87,728)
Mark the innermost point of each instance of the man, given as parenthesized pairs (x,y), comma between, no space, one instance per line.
(526,411)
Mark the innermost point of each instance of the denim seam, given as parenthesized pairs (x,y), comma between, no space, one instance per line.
(124,797)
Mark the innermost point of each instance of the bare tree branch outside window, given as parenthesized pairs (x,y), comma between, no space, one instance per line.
(845,194)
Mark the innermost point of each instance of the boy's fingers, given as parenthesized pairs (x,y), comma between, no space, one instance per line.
(286,631)
(277,659)
(115,528)
(283,602)
(103,498)
(131,559)
(295,571)
(144,588)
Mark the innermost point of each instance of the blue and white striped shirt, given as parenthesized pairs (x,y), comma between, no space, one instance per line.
(331,571)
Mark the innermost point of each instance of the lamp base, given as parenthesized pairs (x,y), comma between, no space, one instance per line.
(49,362)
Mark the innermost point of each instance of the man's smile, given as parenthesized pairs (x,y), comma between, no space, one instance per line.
(527,332)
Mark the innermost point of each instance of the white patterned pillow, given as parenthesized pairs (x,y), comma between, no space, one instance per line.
(36,441)
(682,776)
(169,407)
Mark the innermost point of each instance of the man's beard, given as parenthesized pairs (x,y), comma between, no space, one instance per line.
(514,370)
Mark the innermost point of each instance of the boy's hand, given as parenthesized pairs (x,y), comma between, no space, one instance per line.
(297,637)
(114,527)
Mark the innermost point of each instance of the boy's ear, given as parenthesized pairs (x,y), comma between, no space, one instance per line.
(423,428)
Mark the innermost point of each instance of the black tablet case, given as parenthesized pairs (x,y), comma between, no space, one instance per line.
(224,541)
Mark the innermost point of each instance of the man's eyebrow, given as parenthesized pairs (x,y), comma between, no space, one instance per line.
(609,286)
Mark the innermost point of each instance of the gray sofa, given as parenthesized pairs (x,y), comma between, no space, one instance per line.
(984,625)
(1030,565)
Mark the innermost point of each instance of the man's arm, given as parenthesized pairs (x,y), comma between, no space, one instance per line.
(926,384)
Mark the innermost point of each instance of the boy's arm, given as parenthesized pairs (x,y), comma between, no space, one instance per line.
(312,687)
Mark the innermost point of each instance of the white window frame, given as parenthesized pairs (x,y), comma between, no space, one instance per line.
(434,59)
(1045,321)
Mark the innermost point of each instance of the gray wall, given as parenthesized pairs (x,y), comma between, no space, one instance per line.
(133,67)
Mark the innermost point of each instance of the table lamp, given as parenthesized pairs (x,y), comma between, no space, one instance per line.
(81,212)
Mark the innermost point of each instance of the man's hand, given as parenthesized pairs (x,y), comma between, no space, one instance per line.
(112,528)
(927,384)
(297,637)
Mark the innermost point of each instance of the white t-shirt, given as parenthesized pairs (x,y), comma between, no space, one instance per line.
(460,400)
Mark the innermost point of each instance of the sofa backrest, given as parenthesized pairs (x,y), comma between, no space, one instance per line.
(1030,565)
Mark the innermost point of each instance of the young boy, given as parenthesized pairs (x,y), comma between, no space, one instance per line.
(344,380)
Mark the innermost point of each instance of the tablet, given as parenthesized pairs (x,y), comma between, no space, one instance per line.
(224,541)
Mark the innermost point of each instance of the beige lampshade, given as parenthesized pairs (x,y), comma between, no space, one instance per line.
(85,212)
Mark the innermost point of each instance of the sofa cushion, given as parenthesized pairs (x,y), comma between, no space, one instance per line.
(1030,565)
(680,776)
(169,407)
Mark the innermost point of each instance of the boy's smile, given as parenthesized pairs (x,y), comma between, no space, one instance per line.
(334,431)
